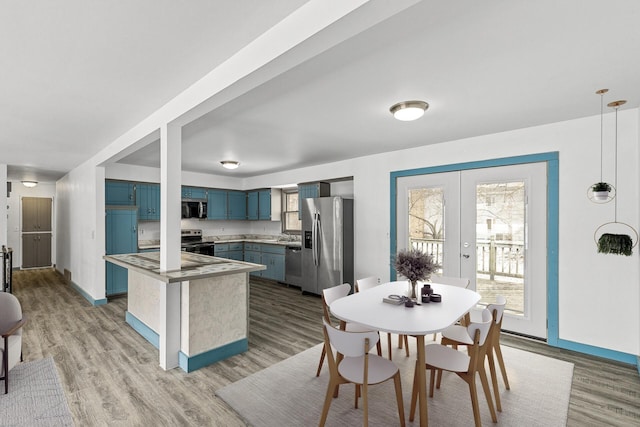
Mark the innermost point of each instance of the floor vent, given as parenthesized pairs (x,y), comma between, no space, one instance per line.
(67,276)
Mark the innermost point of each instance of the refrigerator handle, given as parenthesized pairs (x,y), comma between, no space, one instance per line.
(314,237)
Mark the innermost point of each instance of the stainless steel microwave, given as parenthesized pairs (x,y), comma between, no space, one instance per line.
(194,209)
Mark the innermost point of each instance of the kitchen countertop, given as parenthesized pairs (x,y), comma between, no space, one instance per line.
(193,266)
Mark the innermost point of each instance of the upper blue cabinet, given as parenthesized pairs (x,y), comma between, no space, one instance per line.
(227,204)
(148,202)
(264,204)
(119,193)
(194,193)
(311,190)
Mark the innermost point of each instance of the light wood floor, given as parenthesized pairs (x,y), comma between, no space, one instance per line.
(111,375)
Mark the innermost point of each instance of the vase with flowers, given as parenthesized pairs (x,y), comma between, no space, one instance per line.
(415,265)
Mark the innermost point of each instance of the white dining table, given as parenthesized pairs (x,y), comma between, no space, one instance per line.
(368,309)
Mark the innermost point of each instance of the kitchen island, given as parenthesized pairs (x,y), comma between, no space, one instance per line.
(195,315)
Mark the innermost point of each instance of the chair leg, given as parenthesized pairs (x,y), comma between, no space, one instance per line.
(5,365)
(400,341)
(398,386)
(474,400)
(503,370)
(432,378)
(389,345)
(379,348)
(324,352)
(365,404)
(487,393)
(327,401)
(406,344)
(494,380)
(414,394)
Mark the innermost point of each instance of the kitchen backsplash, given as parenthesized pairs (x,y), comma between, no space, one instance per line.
(150,230)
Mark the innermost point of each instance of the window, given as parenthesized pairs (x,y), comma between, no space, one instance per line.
(291,220)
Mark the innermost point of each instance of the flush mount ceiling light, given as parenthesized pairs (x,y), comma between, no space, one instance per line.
(409,110)
(29,184)
(230,164)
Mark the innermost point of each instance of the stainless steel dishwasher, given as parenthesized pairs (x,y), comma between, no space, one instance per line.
(293,266)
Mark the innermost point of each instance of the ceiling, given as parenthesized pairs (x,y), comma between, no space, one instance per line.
(82,76)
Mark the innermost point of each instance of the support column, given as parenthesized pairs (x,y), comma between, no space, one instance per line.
(4,202)
(170,195)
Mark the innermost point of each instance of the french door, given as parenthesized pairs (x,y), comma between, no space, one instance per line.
(489,225)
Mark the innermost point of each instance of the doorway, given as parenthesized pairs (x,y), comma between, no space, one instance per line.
(487,221)
(36,232)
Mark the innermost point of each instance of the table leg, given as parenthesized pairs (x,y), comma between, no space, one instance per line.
(422,383)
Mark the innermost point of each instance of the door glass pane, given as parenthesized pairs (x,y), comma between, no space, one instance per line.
(500,243)
(426,221)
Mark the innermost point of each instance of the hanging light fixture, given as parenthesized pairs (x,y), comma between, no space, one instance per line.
(230,164)
(30,184)
(601,192)
(616,237)
(407,111)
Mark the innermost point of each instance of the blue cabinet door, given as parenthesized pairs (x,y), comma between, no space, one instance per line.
(121,238)
(237,204)
(119,193)
(154,202)
(194,193)
(264,204)
(275,266)
(252,205)
(142,201)
(217,204)
(255,258)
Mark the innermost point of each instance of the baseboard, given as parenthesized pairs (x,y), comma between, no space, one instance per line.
(605,353)
(87,296)
(140,327)
(192,363)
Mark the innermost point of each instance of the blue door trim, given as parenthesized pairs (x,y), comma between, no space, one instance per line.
(551,158)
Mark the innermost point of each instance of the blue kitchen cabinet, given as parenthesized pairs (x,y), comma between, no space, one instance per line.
(119,193)
(259,204)
(237,204)
(311,191)
(121,238)
(273,258)
(252,254)
(217,204)
(252,205)
(264,204)
(148,202)
(234,251)
(194,193)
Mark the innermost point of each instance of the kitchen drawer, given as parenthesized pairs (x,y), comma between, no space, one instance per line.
(252,247)
(238,246)
(273,249)
(220,247)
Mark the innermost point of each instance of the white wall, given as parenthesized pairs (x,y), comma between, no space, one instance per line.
(597,292)
(14,216)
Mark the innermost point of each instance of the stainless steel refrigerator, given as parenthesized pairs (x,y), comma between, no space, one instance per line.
(327,243)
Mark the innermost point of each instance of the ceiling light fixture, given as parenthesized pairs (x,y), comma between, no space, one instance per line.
(230,164)
(30,184)
(409,110)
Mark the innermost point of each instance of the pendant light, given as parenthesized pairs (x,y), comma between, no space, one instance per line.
(616,237)
(601,192)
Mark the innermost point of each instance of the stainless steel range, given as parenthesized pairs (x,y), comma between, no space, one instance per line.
(191,241)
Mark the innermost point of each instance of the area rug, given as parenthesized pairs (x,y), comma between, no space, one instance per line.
(35,396)
(289,394)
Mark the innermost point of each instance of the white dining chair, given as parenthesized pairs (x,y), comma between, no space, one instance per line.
(366,284)
(329,295)
(455,335)
(466,365)
(460,282)
(358,367)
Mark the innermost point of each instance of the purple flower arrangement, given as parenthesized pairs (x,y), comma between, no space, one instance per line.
(415,265)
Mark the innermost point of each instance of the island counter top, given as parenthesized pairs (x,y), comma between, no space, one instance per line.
(193,266)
